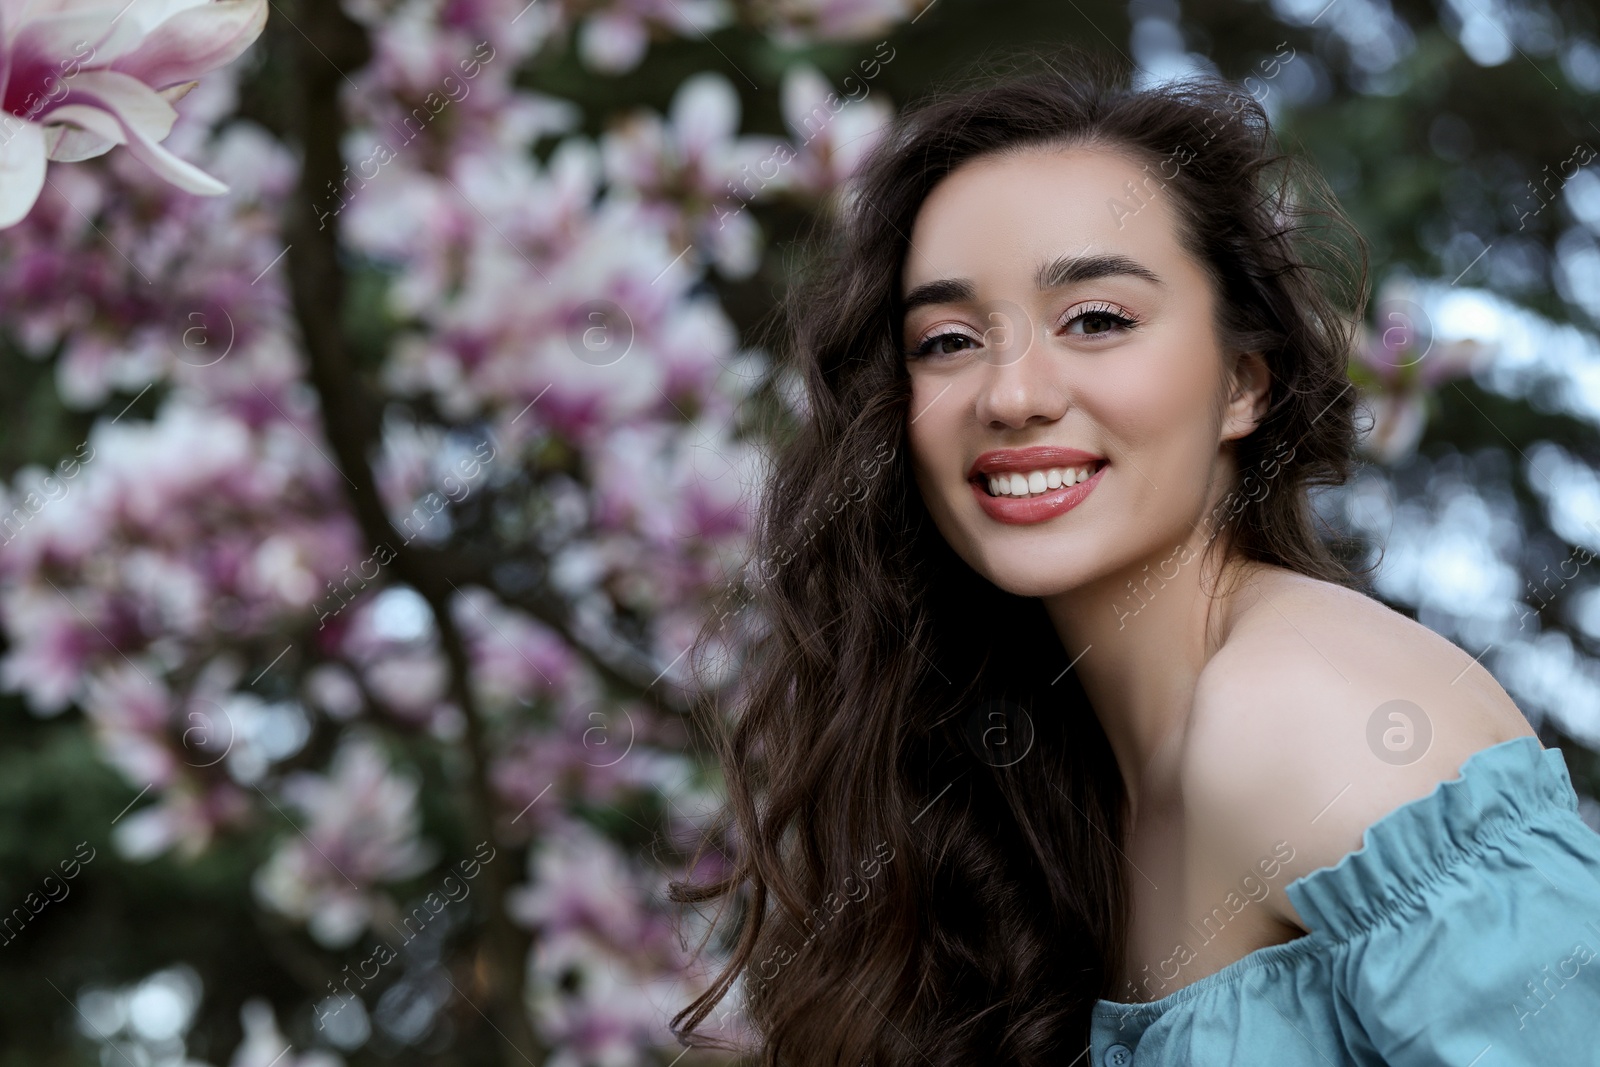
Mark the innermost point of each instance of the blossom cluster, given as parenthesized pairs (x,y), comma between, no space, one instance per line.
(560,388)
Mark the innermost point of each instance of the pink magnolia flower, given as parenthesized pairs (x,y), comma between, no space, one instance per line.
(514,657)
(185,818)
(1399,365)
(607,970)
(79,77)
(796,21)
(361,827)
(833,131)
(697,161)
(614,39)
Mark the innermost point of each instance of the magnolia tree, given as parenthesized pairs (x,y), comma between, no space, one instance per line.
(420,441)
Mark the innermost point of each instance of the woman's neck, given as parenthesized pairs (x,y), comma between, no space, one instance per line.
(1140,638)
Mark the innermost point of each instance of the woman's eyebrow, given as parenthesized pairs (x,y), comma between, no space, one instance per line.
(1063,270)
(943,291)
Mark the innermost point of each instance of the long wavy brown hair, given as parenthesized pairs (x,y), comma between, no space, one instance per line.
(919,864)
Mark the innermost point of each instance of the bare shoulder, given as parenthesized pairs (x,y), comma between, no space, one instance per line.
(1322,711)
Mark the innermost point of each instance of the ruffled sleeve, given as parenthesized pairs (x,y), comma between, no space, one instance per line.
(1466,929)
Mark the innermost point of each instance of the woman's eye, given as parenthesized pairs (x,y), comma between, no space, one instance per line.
(1101,320)
(941,344)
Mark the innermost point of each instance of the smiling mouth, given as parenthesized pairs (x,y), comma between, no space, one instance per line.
(1020,485)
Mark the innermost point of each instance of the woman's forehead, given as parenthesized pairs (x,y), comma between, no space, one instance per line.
(1009,217)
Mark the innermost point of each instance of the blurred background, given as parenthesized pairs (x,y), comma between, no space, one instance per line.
(357,519)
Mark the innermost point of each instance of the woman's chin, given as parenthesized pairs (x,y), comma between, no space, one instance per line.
(1024,577)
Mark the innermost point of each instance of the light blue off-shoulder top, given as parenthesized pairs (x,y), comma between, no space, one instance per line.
(1465,932)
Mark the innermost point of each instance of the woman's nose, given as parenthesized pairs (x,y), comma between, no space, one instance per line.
(1022,384)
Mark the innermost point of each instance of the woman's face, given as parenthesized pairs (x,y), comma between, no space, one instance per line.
(1070,399)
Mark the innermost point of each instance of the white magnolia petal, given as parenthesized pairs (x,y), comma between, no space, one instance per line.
(149,14)
(97,133)
(195,41)
(804,94)
(184,175)
(145,119)
(15,10)
(66,145)
(60,42)
(135,104)
(613,42)
(22,165)
(705,112)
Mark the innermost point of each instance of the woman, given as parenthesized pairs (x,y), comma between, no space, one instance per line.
(1067,727)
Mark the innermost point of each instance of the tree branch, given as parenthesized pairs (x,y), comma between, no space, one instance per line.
(328,44)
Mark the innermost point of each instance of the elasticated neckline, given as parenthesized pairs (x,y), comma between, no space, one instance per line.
(1404,852)
(1497,789)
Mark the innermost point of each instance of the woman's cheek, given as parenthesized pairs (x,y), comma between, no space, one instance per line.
(941,403)
(1147,403)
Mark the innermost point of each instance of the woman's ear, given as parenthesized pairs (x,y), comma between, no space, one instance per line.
(1248,396)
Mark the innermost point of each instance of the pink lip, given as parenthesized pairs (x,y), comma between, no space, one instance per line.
(1021,460)
(1032,509)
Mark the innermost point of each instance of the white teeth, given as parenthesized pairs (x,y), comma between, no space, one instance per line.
(1035,482)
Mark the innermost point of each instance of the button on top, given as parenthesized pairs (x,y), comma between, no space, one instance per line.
(1117,1056)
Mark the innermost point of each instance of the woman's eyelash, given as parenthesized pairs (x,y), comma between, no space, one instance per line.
(1124,321)
(926,346)
(1105,311)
